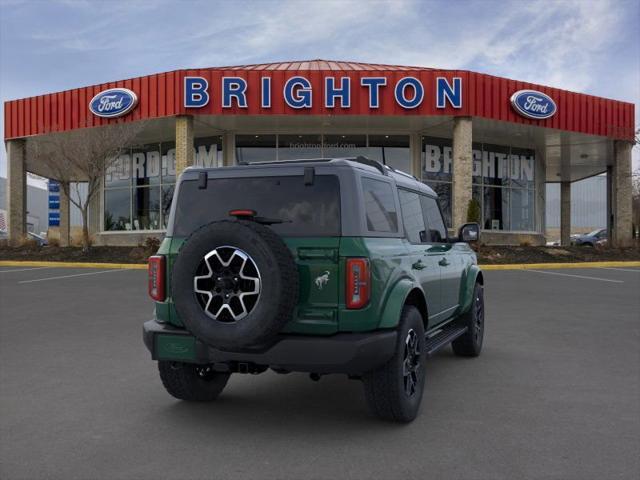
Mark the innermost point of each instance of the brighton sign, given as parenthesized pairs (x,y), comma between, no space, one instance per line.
(113,103)
(298,93)
(533,104)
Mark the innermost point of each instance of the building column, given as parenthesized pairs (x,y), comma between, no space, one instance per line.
(565,213)
(415,149)
(16,191)
(228,149)
(65,215)
(462,170)
(621,193)
(184,143)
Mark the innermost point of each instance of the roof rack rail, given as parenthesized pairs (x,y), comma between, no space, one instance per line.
(371,163)
(400,172)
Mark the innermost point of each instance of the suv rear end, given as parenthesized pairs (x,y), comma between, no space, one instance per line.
(276,265)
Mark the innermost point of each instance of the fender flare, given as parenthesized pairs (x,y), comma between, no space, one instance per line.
(395,302)
(468,283)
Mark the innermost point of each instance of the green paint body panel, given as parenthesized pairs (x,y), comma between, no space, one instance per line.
(394,263)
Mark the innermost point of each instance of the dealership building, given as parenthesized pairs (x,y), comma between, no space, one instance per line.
(474,138)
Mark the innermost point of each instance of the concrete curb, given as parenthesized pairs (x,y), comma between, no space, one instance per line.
(143,266)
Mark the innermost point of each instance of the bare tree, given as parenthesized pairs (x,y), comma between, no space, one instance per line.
(82,156)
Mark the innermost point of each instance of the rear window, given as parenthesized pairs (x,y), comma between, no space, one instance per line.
(307,210)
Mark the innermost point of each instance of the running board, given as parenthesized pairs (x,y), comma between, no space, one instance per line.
(443,338)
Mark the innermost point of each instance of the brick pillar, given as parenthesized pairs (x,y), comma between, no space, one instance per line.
(228,149)
(462,170)
(565,213)
(184,143)
(16,191)
(621,186)
(65,216)
(415,149)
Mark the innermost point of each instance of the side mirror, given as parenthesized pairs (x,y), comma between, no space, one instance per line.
(469,233)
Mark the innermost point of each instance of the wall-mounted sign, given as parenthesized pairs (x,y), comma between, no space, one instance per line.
(114,102)
(533,104)
(299,93)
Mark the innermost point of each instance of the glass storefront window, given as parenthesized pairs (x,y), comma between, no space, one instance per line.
(292,147)
(117,209)
(145,165)
(521,210)
(392,150)
(503,182)
(255,148)
(337,146)
(208,152)
(118,174)
(522,167)
(165,202)
(495,165)
(443,190)
(496,202)
(168,161)
(146,208)
(144,179)
(437,159)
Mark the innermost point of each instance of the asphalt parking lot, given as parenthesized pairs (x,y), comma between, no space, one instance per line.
(555,394)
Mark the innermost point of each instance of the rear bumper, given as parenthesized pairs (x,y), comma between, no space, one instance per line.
(350,353)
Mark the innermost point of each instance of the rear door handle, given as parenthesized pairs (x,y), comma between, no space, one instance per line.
(444,262)
(418,265)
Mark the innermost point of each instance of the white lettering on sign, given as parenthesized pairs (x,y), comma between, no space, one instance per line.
(438,160)
(108,104)
(533,104)
(298,92)
(150,164)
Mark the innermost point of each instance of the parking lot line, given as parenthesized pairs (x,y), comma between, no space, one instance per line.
(70,276)
(637,270)
(576,276)
(23,269)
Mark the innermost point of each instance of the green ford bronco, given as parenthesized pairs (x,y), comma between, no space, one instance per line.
(318,266)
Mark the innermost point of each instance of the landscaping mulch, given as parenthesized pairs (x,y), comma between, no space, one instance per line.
(487,255)
(75,254)
(500,255)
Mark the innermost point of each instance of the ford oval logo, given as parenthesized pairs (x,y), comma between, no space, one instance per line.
(533,104)
(114,102)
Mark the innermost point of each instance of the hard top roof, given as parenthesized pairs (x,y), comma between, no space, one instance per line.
(361,163)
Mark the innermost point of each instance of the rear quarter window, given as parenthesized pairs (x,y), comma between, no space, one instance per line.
(306,210)
(380,206)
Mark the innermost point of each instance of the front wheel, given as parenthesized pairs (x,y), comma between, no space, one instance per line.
(195,383)
(470,343)
(394,391)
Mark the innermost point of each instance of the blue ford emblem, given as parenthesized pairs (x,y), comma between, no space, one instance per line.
(533,104)
(114,102)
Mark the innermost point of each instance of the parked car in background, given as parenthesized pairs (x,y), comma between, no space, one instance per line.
(591,239)
(40,240)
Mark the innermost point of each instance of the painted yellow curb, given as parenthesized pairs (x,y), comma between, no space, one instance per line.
(525,266)
(28,263)
(143,266)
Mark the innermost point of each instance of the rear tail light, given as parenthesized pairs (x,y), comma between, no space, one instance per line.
(156,277)
(358,282)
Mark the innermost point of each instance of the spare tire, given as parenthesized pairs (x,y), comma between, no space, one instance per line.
(234,284)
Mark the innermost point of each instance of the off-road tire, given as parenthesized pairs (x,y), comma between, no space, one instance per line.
(279,284)
(194,383)
(469,344)
(384,388)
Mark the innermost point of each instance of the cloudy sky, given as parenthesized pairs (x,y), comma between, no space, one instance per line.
(582,45)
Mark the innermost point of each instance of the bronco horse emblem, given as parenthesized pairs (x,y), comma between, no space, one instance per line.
(322,280)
